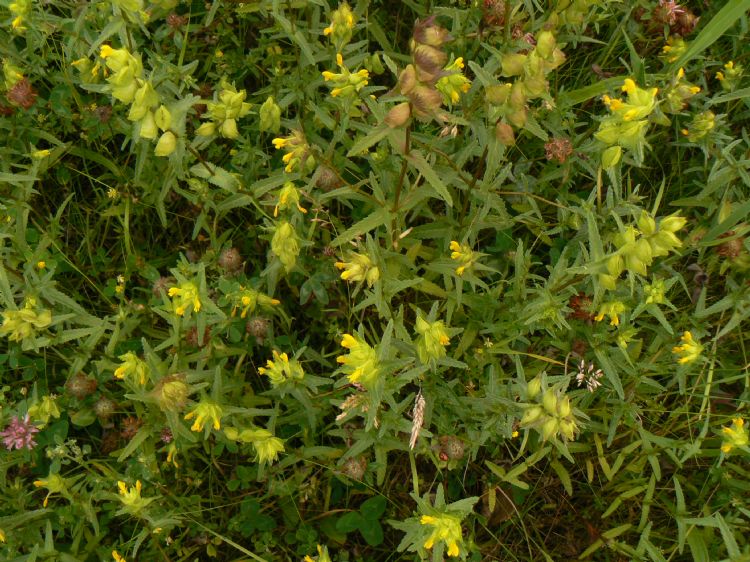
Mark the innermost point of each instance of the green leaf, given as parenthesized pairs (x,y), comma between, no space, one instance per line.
(416,158)
(372,221)
(373,508)
(350,522)
(372,533)
(371,138)
(216,175)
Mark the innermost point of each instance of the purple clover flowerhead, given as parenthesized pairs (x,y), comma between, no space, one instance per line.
(19,434)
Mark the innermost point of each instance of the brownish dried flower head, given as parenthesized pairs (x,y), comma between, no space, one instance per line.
(230,261)
(80,386)
(558,149)
(22,94)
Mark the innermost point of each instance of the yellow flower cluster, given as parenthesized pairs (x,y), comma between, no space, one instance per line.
(297,152)
(54,483)
(20,9)
(129,86)
(463,255)
(730,76)
(224,113)
(626,126)
(281,369)
(131,497)
(288,198)
(341,27)
(432,340)
(446,528)
(612,309)
(248,300)
(735,436)
(21,325)
(453,83)
(689,350)
(132,368)
(285,244)
(187,294)
(552,416)
(205,411)
(267,446)
(361,365)
(344,82)
(702,124)
(359,267)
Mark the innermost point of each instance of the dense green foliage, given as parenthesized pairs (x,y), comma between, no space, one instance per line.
(395,280)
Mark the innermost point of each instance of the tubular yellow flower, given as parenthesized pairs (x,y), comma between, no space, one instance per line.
(689,351)
(131,497)
(188,297)
(613,310)
(133,368)
(359,267)
(281,369)
(346,83)
(205,411)
(361,365)
(288,195)
(23,324)
(248,300)
(453,84)
(117,557)
(447,529)
(432,340)
(463,255)
(267,446)
(342,24)
(735,436)
(54,483)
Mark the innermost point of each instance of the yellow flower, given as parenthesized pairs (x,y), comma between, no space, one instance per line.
(205,411)
(361,365)
(2,536)
(735,436)
(285,244)
(188,296)
(689,351)
(133,368)
(298,153)
(23,324)
(433,339)
(288,195)
(447,529)
(464,255)
(248,300)
(41,264)
(54,483)
(346,83)
(131,498)
(359,268)
(117,557)
(613,310)
(342,24)
(267,446)
(323,555)
(281,369)
(454,83)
